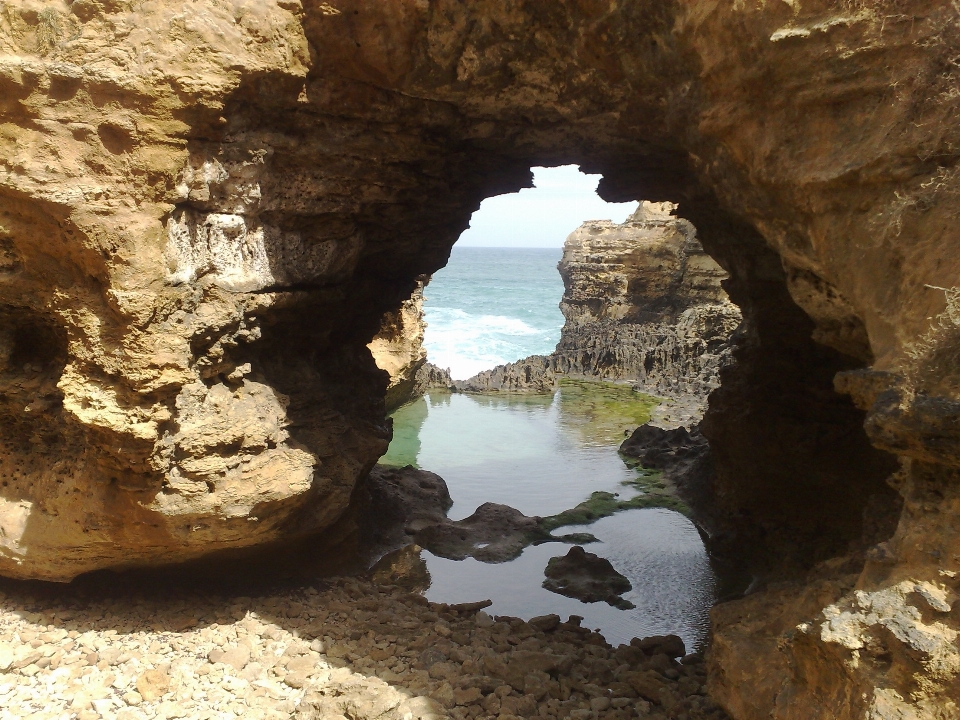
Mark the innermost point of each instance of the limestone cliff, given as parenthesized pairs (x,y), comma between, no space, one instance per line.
(643,302)
(398,348)
(206,208)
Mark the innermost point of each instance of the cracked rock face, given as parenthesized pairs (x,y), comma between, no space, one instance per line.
(207,207)
(644,302)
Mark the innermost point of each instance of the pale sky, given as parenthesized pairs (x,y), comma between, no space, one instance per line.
(542,216)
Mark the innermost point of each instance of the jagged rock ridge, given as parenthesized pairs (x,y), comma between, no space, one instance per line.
(643,303)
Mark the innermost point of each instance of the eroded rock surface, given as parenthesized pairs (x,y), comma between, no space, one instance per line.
(644,302)
(207,207)
(398,349)
(429,376)
(532,374)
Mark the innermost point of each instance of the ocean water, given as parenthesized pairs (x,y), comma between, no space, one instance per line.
(491,306)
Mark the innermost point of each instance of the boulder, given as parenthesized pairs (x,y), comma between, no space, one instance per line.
(587,577)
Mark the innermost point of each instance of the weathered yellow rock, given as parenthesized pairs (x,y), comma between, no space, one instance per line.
(398,348)
(644,302)
(206,208)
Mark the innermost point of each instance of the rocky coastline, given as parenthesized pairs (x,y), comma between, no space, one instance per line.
(643,304)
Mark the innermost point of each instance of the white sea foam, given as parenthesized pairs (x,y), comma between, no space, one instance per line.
(492,306)
(468,343)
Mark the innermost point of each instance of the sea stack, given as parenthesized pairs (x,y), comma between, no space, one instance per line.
(644,302)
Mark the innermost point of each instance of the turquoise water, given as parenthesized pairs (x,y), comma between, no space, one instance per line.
(543,454)
(491,306)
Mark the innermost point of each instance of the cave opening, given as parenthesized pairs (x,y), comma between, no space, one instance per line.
(288,171)
(521,418)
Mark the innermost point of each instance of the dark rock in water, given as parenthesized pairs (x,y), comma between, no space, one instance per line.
(532,374)
(494,533)
(398,501)
(659,449)
(686,463)
(395,506)
(587,577)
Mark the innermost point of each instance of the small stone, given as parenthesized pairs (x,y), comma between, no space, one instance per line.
(253,671)
(444,695)
(237,657)
(466,696)
(483,620)
(295,679)
(132,698)
(670,645)
(303,664)
(103,706)
(599,704)
(545,623)
(647,684)
(171,709)
(442,630)
(152,684)
(421,708)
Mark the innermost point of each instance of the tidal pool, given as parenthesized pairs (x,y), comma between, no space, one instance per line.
(544,454)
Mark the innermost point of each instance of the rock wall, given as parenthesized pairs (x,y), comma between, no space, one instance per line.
(644,302)
(398,348)
(207,207)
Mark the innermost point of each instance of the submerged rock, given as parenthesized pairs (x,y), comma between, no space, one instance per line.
(659,448)
(587,577)
(682,457)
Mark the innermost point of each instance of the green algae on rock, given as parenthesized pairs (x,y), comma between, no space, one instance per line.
(602,504)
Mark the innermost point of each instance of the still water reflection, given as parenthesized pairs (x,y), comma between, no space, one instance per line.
(543,454)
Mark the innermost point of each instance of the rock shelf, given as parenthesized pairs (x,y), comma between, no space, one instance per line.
(341,648)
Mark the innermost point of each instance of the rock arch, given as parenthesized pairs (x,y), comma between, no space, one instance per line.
(214,203)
